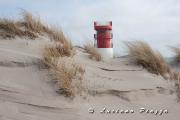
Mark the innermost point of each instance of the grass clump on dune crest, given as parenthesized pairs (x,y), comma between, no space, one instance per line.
(10,28)
(28,26)
(32,23)
(31,26)
(142,54)
(93,53)
(62,45)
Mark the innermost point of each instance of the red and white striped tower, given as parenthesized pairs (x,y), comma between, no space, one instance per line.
(103,38)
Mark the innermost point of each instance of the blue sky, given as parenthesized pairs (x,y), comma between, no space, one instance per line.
(155,21)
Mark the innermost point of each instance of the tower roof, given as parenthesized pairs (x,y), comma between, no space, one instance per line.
(103,25)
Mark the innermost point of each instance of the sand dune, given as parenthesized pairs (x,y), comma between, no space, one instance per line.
(27,91)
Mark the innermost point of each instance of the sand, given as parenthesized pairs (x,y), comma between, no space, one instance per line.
(27,91)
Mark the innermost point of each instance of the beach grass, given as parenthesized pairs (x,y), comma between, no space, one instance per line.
(142,54)
(93,53)
(53,54)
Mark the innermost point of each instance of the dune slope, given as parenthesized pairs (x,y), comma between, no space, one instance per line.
(28,92)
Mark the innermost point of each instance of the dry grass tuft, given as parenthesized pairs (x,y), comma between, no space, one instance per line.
(58,36)
(10,29)
(68,74)
(63,46)
(176,50)
(50,53)
(93,53)
(5,35)
(29,26)
(175,74)
(56,50)
(32,23)
(143,55)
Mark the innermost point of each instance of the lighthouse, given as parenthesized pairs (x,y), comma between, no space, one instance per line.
(103,38)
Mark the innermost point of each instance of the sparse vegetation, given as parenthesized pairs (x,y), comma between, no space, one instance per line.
(56,50)
(10,29)
(68,75)
(62,44)
(176,50)
(32,23)
(142,54)
(29,26)
(65,70)
(176,75)
(53,55)
(93,53)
